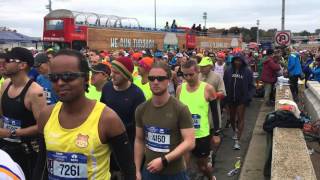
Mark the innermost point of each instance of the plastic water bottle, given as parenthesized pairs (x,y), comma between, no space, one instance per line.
(236,169)
(237,165)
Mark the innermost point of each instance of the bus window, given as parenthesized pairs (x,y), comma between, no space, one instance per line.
(56,45)
(54,24)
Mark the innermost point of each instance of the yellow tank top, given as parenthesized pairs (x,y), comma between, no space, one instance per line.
(78,152)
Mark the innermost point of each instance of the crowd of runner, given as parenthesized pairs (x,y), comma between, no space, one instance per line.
(132,114)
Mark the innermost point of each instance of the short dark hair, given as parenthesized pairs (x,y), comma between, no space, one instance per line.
(190,64)
(164,66)
(83,63)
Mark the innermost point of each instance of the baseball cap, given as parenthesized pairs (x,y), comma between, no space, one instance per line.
(205,61)
(158,54)
(211,54)
(100,67)
(179,55)
(221,55)
(146,63)
(40,58)
(22,54)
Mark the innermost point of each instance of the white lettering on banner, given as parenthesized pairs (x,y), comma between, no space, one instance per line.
(114,42)
(53,38)
(214,45)
(131,43)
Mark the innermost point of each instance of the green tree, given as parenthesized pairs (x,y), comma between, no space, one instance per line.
(305,33)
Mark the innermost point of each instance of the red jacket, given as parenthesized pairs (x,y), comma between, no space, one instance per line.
(269,71)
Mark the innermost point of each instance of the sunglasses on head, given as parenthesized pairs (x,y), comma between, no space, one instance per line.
(66,77)
(13,60)
(158,78)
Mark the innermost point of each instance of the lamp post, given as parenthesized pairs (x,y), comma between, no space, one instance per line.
(258,23)
(283,15)
(205,19)
(49,6)
(155,14)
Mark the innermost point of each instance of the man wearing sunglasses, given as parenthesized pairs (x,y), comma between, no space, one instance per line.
(198,96)
(21,103)
(164,131)
(80,133)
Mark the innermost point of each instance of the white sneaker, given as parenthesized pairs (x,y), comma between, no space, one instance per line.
(236,145)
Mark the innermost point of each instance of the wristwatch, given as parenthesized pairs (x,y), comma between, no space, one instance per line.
(13,133)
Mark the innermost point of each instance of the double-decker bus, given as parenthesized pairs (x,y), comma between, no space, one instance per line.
(71,29)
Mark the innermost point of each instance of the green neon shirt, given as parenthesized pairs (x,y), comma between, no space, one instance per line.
(199,108)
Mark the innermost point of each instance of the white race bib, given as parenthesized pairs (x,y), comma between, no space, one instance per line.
(12,124)
(67,166)
(157,139)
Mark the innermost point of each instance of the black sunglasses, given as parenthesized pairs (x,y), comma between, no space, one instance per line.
(66,77)
(159,78)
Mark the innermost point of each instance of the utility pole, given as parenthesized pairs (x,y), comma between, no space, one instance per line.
(155,14)
(49,6)
(258,23)
(283,15)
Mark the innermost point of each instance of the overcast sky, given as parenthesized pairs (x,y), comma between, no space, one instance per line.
(26,16)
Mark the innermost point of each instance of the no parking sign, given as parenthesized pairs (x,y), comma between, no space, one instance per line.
(282,38)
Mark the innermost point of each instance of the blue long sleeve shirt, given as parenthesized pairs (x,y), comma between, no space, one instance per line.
(294,66)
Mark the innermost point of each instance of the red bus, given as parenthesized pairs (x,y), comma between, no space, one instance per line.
(70,29)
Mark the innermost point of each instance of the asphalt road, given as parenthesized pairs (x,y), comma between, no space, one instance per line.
(226,156)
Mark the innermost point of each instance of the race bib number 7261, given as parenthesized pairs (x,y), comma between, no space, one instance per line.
(67,166)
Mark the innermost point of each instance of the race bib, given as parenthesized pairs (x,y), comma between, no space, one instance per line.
(48,95)
(67,166)
(157,139)
(12,124)
(196,120)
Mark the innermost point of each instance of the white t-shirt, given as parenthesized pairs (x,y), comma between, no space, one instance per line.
(9,170)
(219,69)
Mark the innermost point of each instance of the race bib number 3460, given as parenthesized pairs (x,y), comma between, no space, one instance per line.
(67,166)
(157,139)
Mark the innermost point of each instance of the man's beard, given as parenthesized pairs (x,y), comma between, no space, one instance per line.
(159,93)
(10,74)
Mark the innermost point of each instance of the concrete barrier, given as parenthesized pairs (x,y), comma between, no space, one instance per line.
(290,158)
(312,99)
